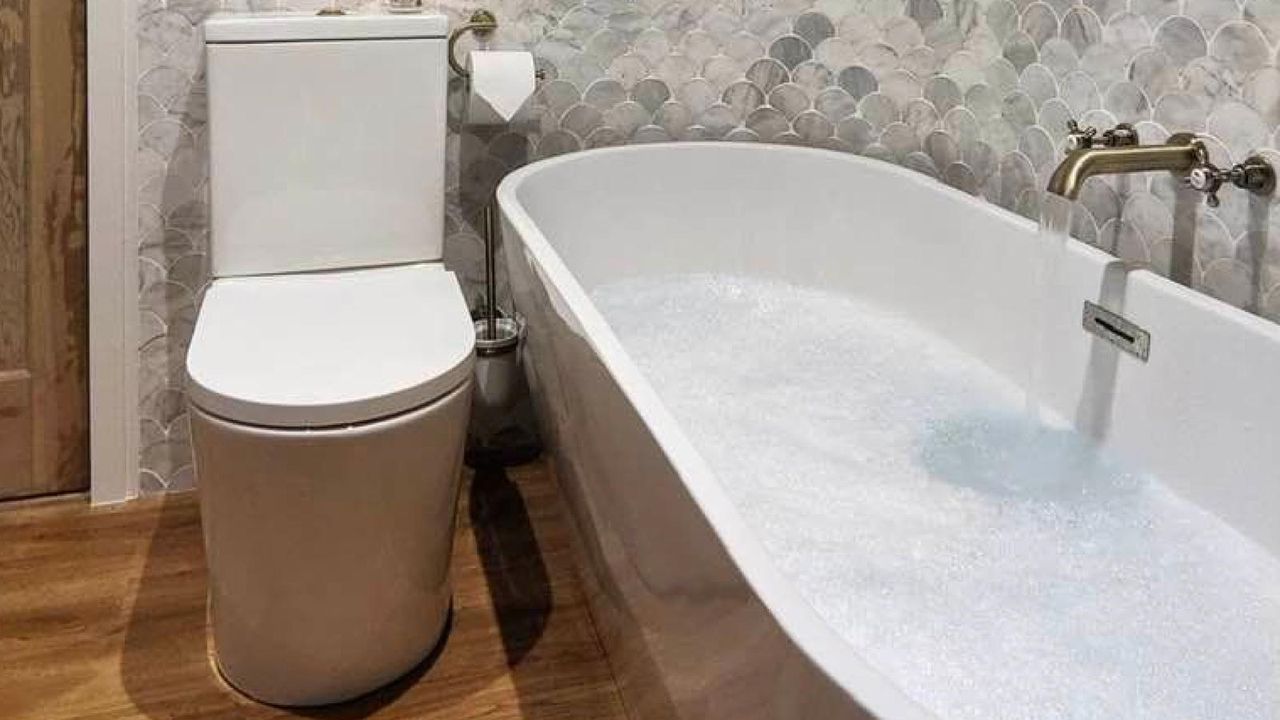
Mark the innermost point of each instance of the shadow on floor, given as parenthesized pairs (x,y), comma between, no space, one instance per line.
(512,560)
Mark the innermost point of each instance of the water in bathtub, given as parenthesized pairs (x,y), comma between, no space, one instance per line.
(992,565)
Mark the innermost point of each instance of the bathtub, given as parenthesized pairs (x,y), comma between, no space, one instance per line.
(696,619)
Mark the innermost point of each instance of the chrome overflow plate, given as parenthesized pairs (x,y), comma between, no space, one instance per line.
(1117,330)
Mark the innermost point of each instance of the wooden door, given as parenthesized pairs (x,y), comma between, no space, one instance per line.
(43,252)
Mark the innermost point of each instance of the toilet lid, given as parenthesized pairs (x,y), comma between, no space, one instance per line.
(332,348)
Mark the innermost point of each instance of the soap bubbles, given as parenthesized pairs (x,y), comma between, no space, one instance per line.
(991,566)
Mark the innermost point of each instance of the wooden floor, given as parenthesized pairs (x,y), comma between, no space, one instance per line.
(102,615)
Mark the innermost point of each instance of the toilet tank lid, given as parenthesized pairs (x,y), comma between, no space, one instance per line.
(300,27)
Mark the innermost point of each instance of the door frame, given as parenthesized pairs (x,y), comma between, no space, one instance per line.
(113,295)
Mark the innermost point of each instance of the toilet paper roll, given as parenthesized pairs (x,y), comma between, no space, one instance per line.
(501,83)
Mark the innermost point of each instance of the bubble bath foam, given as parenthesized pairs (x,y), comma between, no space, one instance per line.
(991,566)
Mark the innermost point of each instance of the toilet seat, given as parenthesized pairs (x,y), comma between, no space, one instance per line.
(331,348)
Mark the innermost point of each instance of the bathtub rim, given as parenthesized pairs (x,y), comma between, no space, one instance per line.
(809,632)
(836,658)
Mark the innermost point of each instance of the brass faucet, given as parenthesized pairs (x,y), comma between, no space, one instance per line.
(1183,154)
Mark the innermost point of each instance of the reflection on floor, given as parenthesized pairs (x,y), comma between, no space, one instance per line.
(102,615)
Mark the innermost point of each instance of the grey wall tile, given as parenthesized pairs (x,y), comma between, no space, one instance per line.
(975,93)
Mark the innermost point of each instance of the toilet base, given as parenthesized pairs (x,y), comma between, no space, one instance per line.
(391,688)
(328,550)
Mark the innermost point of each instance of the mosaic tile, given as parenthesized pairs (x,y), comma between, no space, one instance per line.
(720,119)
(856,131)
(814,27)
(903,34)
(943,93)
(835,103)
(651,93)
(698,95)
(1241,48)
(813,127)
(812,77)
(921,163)
(1059,56)
(1082,28)
(721,71)
(942,149)
(1040,149)
(961,177)
(976,93)
(1266,15)
(767,122)
(767,73)
(1181,39)
(858,81)
(790,50)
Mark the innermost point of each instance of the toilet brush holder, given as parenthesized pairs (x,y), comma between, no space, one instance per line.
(501,431)
(498,362)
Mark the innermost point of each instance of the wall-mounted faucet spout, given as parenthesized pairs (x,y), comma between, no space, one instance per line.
(1182,153)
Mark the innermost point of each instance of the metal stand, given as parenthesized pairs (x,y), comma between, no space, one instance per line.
(490,275)
(501,429)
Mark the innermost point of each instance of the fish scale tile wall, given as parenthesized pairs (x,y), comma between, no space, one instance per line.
(975,93)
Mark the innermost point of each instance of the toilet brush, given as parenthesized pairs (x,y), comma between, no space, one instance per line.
(502,429)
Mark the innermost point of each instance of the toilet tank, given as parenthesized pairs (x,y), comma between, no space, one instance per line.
(326,141)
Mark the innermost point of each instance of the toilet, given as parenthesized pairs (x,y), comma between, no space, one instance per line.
(329,375)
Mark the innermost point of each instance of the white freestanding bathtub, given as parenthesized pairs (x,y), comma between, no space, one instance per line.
(697,620)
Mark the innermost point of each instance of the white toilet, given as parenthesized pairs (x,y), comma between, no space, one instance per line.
(330,370)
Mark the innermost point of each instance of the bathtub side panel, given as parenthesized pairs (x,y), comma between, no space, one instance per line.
(685,634)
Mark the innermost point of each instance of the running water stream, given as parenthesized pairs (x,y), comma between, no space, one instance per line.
(1055,221)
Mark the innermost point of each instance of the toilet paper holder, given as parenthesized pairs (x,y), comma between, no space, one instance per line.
(482,23)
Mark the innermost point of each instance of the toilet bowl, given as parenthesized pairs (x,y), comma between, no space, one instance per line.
(329,373)
(329,413)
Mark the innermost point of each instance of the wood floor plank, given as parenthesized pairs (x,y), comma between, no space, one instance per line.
(102,616)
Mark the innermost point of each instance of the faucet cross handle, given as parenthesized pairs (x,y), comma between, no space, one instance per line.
(1079,138)
(1254,174)
(1122,135)
(1206,178)
(1083,138)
